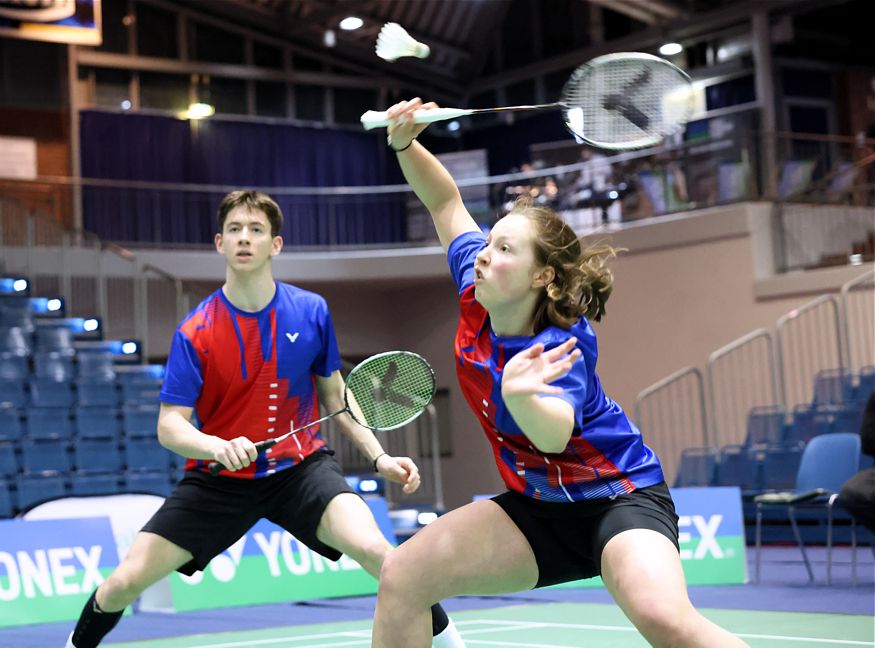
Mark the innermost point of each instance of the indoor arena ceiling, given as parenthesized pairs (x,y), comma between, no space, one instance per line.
(463,33)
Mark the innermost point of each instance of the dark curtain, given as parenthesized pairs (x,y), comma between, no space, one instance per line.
(130,147)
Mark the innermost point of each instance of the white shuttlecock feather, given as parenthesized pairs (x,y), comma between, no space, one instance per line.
(394,42)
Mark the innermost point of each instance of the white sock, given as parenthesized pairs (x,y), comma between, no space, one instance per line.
(449,638)
(69,643)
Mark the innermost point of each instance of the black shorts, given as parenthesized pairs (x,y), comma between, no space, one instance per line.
(568,538)
(205,514)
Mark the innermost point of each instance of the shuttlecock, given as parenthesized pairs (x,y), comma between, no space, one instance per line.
(394,42)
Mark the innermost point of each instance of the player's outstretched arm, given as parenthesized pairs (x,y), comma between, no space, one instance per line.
(401,470)
(177,434)
(428,178)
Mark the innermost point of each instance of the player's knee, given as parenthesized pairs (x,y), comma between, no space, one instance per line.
(664,624)
(120,589)
(395,577)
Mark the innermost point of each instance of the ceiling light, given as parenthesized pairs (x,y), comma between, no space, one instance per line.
(200,110)
(670,49)
(351,23)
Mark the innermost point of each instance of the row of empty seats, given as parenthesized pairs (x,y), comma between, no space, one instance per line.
(25,490)
(131,420)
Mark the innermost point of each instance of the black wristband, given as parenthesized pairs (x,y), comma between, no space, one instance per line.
(376,458)
(389,142)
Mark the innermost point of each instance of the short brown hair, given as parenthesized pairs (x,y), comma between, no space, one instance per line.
(252,200)
(582,282)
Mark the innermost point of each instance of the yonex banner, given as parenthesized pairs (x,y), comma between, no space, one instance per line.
(268,565)
(48,568)
(711,534)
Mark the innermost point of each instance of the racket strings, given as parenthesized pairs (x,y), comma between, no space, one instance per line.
(622,101)
(391,389)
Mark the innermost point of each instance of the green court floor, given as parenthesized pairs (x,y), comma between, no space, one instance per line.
(556,625)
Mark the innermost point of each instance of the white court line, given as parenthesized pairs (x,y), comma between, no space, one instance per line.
(362,637)
(584,626)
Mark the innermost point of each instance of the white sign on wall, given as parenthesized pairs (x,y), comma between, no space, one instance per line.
(18,158)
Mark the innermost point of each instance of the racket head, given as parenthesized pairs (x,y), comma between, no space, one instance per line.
(391,389)
(626,101)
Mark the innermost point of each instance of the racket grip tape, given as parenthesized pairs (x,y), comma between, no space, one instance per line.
(215,467)
(374,119)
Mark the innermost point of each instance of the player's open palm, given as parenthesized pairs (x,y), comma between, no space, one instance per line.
(531,371)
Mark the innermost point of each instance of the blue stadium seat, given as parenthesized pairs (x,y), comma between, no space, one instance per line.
(8,462)
(15,312)
(15,340)
(139,373)
(866,383)
(765,425)
(780,463)
(51,393)
(140,420)
(96,393)
(83,484)
(737,466)
(53,366)
(97,423)
(44,455)
(148,482)
(95,365)
(50,336)
(7,506)
(833,387)
(13,367)
(145,453)
(49,423)
(97,456)
(697,467)
(11,428)
(34,489)
(140,392)
(12,393)
(847,417)
(808,423)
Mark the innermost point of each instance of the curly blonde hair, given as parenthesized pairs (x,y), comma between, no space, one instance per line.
(582,282)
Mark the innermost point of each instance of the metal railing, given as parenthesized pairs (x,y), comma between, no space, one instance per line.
(672,416)
(809,339)
(740,375)
(858,321)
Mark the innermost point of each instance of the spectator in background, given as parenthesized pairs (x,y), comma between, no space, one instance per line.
(858,493)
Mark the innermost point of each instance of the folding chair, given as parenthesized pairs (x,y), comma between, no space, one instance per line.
(828,461)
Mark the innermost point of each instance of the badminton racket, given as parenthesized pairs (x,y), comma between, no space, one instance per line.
(383,392)
(621,101)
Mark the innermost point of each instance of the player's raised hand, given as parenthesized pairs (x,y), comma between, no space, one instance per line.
(402,129)
(531,371)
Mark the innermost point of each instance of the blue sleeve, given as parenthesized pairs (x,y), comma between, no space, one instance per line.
(328,360)
(574,383)
(461,254)
(183,378)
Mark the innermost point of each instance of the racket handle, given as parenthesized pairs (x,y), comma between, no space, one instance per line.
(215,467)
(374,119)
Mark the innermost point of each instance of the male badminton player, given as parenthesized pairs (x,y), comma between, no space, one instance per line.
(252,360)
(585,496)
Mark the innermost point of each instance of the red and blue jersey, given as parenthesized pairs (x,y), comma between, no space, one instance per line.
(605,456)
(254,374)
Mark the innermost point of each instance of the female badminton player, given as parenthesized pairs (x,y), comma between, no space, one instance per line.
(585,496)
